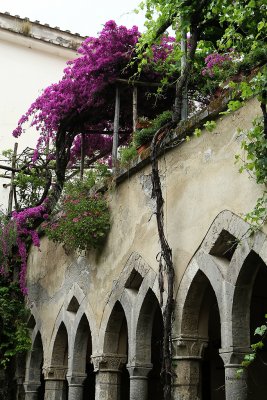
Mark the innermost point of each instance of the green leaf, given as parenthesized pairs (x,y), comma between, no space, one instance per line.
(260,330)
(197,132)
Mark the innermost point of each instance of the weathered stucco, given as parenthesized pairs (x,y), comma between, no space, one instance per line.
(200,180)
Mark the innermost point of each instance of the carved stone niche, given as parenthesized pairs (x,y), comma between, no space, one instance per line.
(108,362)
(186,347)
(57,373)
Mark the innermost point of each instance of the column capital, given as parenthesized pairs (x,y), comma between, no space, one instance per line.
(56,373)
(76,379)
(138,371)
(188,347)
(31,387)
(108,362)
(233,357)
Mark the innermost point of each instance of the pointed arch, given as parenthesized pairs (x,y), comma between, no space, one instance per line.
(144,328)
(36,360)
(34,379)
(60,348)
(242,299)
(82,346)
(116,335)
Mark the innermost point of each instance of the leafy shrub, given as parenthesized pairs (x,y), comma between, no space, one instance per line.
(83,220)
(8,239)
(127,154)
(29,187)
(145,135)
(14,335)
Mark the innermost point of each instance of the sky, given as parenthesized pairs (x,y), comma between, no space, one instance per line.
(82,16)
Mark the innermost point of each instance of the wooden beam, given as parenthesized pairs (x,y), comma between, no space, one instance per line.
(116,130)
(100,132)
(184,111)
(13,165)
(138,83)
(82,157)
(135,116)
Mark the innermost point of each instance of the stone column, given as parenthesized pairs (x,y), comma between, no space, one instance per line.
(235,385)
(76,386)
(138,380)
(187,356)
(108,374)
(20,377)
(55,383)
(31,390)
(20,393)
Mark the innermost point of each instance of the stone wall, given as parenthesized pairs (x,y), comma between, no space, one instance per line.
(104,306)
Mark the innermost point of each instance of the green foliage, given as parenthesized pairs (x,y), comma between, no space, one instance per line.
(29,187)
(210,125)
(14,334)
(255,147)
(145,135)
(83,220)
(8,237)
(255,347)
(258,216)
(127,154)
(197,133)
(236,29)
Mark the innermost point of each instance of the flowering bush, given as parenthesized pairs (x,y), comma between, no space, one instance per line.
(83,220)
(214,62)
(25,231)
(84,97)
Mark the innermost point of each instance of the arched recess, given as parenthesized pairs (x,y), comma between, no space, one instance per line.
(34,374)
(59,360)
(116,343)
(82,352)
(149,338)
(249,309)
(200,338)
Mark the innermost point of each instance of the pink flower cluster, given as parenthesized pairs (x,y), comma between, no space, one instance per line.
(23,221)
(88,85)
(214,60)
(100,62)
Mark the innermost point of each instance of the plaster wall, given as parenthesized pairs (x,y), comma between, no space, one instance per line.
(200,180)
(27,67)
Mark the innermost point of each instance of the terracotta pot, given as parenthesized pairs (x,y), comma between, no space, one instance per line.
(140,149)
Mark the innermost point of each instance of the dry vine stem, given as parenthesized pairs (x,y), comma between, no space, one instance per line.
(166,251)
(166,255)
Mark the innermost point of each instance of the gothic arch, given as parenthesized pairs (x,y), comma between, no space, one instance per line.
(201,272)
(116,333)
(242,299)
(232,265)
(147,345)
(85,310)
(34,381)
(199,317)
(35,358)
(81,375)
(60,346)
(144,328)
(129,296)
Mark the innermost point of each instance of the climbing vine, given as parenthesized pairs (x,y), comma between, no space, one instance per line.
(224,30)
(80,108)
